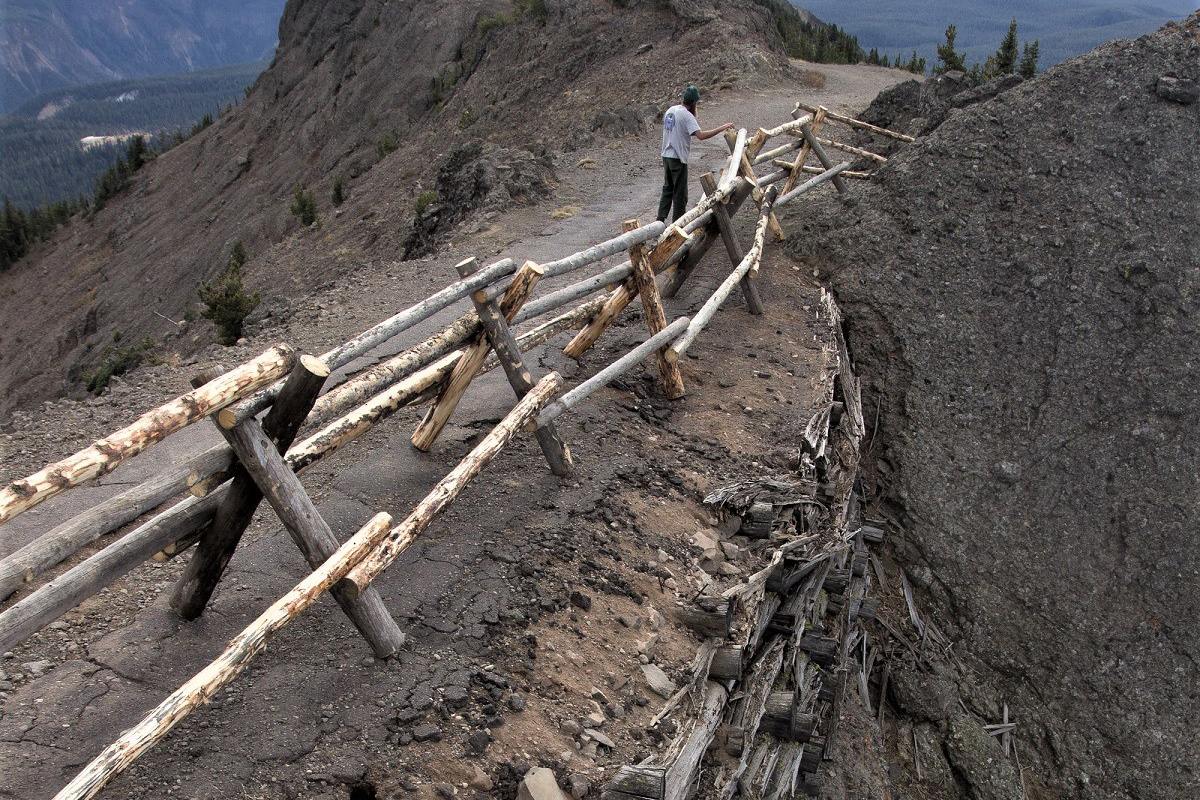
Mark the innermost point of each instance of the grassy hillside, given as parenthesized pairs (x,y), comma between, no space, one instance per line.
(43,160)
(1064,28)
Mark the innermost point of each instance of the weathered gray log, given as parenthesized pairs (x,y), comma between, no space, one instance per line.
(819,150)
(832,173)
(30,614)
(636,780)
(573,292)
(399,538)
(735,163)
(310,532)
(727,663)
(687,751)
(706,312)
(110,452)
(707,619)
(508,353)
(704,240)
(821,649)
(732,246)
(617,368)
(203,572)
(852,150)
(344,353)
(811,760)
(603,250)
(783,718)
(60,543)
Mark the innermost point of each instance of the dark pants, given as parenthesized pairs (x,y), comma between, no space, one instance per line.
(674,191)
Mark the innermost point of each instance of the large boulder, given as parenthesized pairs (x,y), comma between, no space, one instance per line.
(1022,292)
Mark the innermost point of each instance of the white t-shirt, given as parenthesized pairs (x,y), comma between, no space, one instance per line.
(678,127)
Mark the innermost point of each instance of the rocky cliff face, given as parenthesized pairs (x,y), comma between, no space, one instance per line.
(1022,290)
(375,92)
(47,45)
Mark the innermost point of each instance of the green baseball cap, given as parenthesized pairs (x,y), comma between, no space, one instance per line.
(691,94)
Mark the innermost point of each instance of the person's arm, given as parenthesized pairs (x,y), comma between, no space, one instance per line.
(702,135)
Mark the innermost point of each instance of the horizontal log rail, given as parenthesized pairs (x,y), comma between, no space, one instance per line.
(852,122)
(108,453)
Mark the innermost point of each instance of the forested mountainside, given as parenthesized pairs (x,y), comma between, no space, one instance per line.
(48,44)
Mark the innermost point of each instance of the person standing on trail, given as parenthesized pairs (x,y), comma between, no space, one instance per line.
(679,126)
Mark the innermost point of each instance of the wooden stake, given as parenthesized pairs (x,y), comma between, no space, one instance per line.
(508,354)
(464,372)
(110,452)
(199,580)
(732,246)
(656,318)
(310,532)
(735,163)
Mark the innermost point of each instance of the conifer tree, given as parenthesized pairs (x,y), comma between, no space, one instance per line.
(950,58)
(1029,59)
(1006,56)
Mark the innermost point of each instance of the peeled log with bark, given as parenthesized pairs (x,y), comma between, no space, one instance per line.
(110,452)
(400,537)
(54,546)
(220,673)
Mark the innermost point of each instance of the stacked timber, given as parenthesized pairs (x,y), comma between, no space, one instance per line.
(783,649)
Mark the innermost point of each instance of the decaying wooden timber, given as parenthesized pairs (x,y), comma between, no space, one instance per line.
(110,452)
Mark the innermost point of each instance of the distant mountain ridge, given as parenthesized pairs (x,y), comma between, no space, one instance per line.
(1063,28)
(49,44)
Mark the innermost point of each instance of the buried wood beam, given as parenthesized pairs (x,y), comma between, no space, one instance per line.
(508,354)
(311,532)
(464,371)
(65,540)
(108,453)
(656,318)
(195,587)
(733,247)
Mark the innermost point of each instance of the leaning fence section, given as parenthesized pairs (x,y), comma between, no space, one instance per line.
(261,458)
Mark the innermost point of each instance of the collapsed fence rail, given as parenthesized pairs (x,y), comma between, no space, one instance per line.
(228,482)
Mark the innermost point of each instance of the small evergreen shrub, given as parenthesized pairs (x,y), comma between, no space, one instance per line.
(226,301)
(304,206)
(387,144)
(117,360)
(424,200)
(339,191)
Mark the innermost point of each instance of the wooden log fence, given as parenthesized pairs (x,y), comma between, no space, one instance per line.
(228,481)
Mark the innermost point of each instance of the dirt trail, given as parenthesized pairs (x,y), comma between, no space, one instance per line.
(530,604)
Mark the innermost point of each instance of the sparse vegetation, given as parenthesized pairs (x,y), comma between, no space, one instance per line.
(226,301)
(948,57)
(338,195)
(304,206)
(491,22)
(565,212)
(424,200)
(534,9)
(387,144)
(116,359)
(467,118)
(1002,62)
